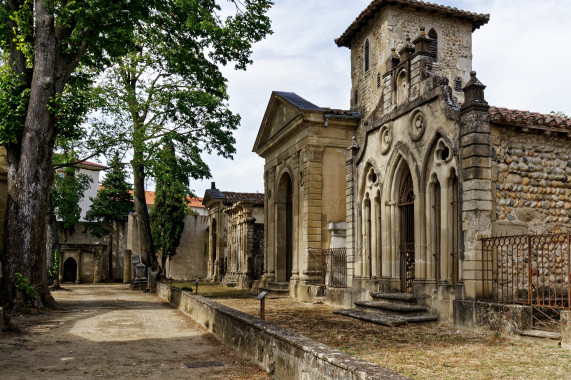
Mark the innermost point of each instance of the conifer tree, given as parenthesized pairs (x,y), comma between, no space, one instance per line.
(171,198)
(113,203)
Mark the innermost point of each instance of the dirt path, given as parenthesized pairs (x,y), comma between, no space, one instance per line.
(107,332)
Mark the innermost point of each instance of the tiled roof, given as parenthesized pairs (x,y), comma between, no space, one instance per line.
(231,198)
(516,117)
(298,101)
(369,12)
(193,202)
(90,165)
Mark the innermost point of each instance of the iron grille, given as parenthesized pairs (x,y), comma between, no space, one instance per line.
(329,267)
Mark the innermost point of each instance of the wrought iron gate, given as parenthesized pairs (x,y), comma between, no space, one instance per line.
(407,256)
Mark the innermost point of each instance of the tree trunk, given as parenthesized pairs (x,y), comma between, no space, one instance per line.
(52,247)
(143,222)
(30,178)
(110,249)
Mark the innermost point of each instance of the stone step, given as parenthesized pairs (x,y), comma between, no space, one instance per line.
(378,318)
(275,292)
(278,285)
(391,306)
(394,297)
(541,334)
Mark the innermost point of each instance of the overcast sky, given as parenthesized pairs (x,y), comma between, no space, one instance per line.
(523,55)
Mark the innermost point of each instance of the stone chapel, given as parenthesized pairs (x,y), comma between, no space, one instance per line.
(398,194)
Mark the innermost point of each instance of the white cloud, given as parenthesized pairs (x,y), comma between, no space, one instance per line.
(522,55)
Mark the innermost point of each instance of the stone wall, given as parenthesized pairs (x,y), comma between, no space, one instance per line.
(532,177)
(191,259)
(282,353)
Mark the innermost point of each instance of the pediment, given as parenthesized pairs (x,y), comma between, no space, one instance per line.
(283,109)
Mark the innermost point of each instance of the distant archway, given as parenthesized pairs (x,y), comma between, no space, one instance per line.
(407,254)
(70,270)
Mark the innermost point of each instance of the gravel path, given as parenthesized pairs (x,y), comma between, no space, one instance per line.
(108,331)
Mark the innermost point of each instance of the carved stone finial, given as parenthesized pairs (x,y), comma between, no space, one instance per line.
(474,93)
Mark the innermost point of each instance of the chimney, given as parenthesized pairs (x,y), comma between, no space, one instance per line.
(212,185)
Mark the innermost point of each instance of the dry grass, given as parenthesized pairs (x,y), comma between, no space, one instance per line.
(422,351)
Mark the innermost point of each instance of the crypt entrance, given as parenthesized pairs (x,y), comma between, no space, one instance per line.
(406,246)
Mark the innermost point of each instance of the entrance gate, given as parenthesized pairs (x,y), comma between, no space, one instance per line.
(406,206)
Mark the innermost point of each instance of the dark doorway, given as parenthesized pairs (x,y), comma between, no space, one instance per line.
(406,206)
(289,229)
(70,270)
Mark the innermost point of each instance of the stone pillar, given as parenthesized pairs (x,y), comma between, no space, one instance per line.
(312,194)
(350,217)
(127,275)
(566,329)
(77,280)
(475,183)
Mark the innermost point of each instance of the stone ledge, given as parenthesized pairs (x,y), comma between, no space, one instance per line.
(288,354)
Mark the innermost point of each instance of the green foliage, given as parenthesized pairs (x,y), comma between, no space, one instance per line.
(114,201)
(29,291)
(67,191)
(54,271)
(172,85)
(14,98)
(171,197)
(560,114)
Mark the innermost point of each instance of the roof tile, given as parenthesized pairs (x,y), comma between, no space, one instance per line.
(511,116)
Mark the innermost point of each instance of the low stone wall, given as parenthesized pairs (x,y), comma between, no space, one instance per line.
(281,352)
(475,315)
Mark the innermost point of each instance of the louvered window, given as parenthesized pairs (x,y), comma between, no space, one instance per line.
(433,44)
(458,84)
(367,55)
(378,81)
(356,100)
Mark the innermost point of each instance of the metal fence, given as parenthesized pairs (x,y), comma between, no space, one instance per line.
(328,267)
(531,270)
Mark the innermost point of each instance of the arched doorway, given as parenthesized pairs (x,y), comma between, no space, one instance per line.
(70,270)
(284,223)
(406,207)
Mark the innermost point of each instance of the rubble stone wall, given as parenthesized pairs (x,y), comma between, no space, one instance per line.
(532,176)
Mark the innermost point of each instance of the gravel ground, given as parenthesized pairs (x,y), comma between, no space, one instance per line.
(110,332)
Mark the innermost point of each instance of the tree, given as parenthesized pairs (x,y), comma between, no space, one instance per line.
(171,85)
(171,198)
(43,44)
(114,202)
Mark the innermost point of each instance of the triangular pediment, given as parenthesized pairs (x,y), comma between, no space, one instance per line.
(283,109)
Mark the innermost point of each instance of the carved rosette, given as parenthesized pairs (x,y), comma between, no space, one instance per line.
(417,125)
(386,138)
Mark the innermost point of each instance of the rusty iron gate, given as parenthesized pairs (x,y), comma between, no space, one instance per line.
(530,270)
(329,267)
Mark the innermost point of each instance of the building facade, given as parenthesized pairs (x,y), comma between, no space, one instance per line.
(236,237)
(416,174)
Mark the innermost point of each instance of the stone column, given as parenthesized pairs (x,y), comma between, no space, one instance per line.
(350,217)
(566,329)
(312,194)
(475,183)
(127,275)
(77,280)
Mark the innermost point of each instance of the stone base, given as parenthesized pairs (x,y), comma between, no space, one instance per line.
(475,315)
(566,329)
(139,285)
